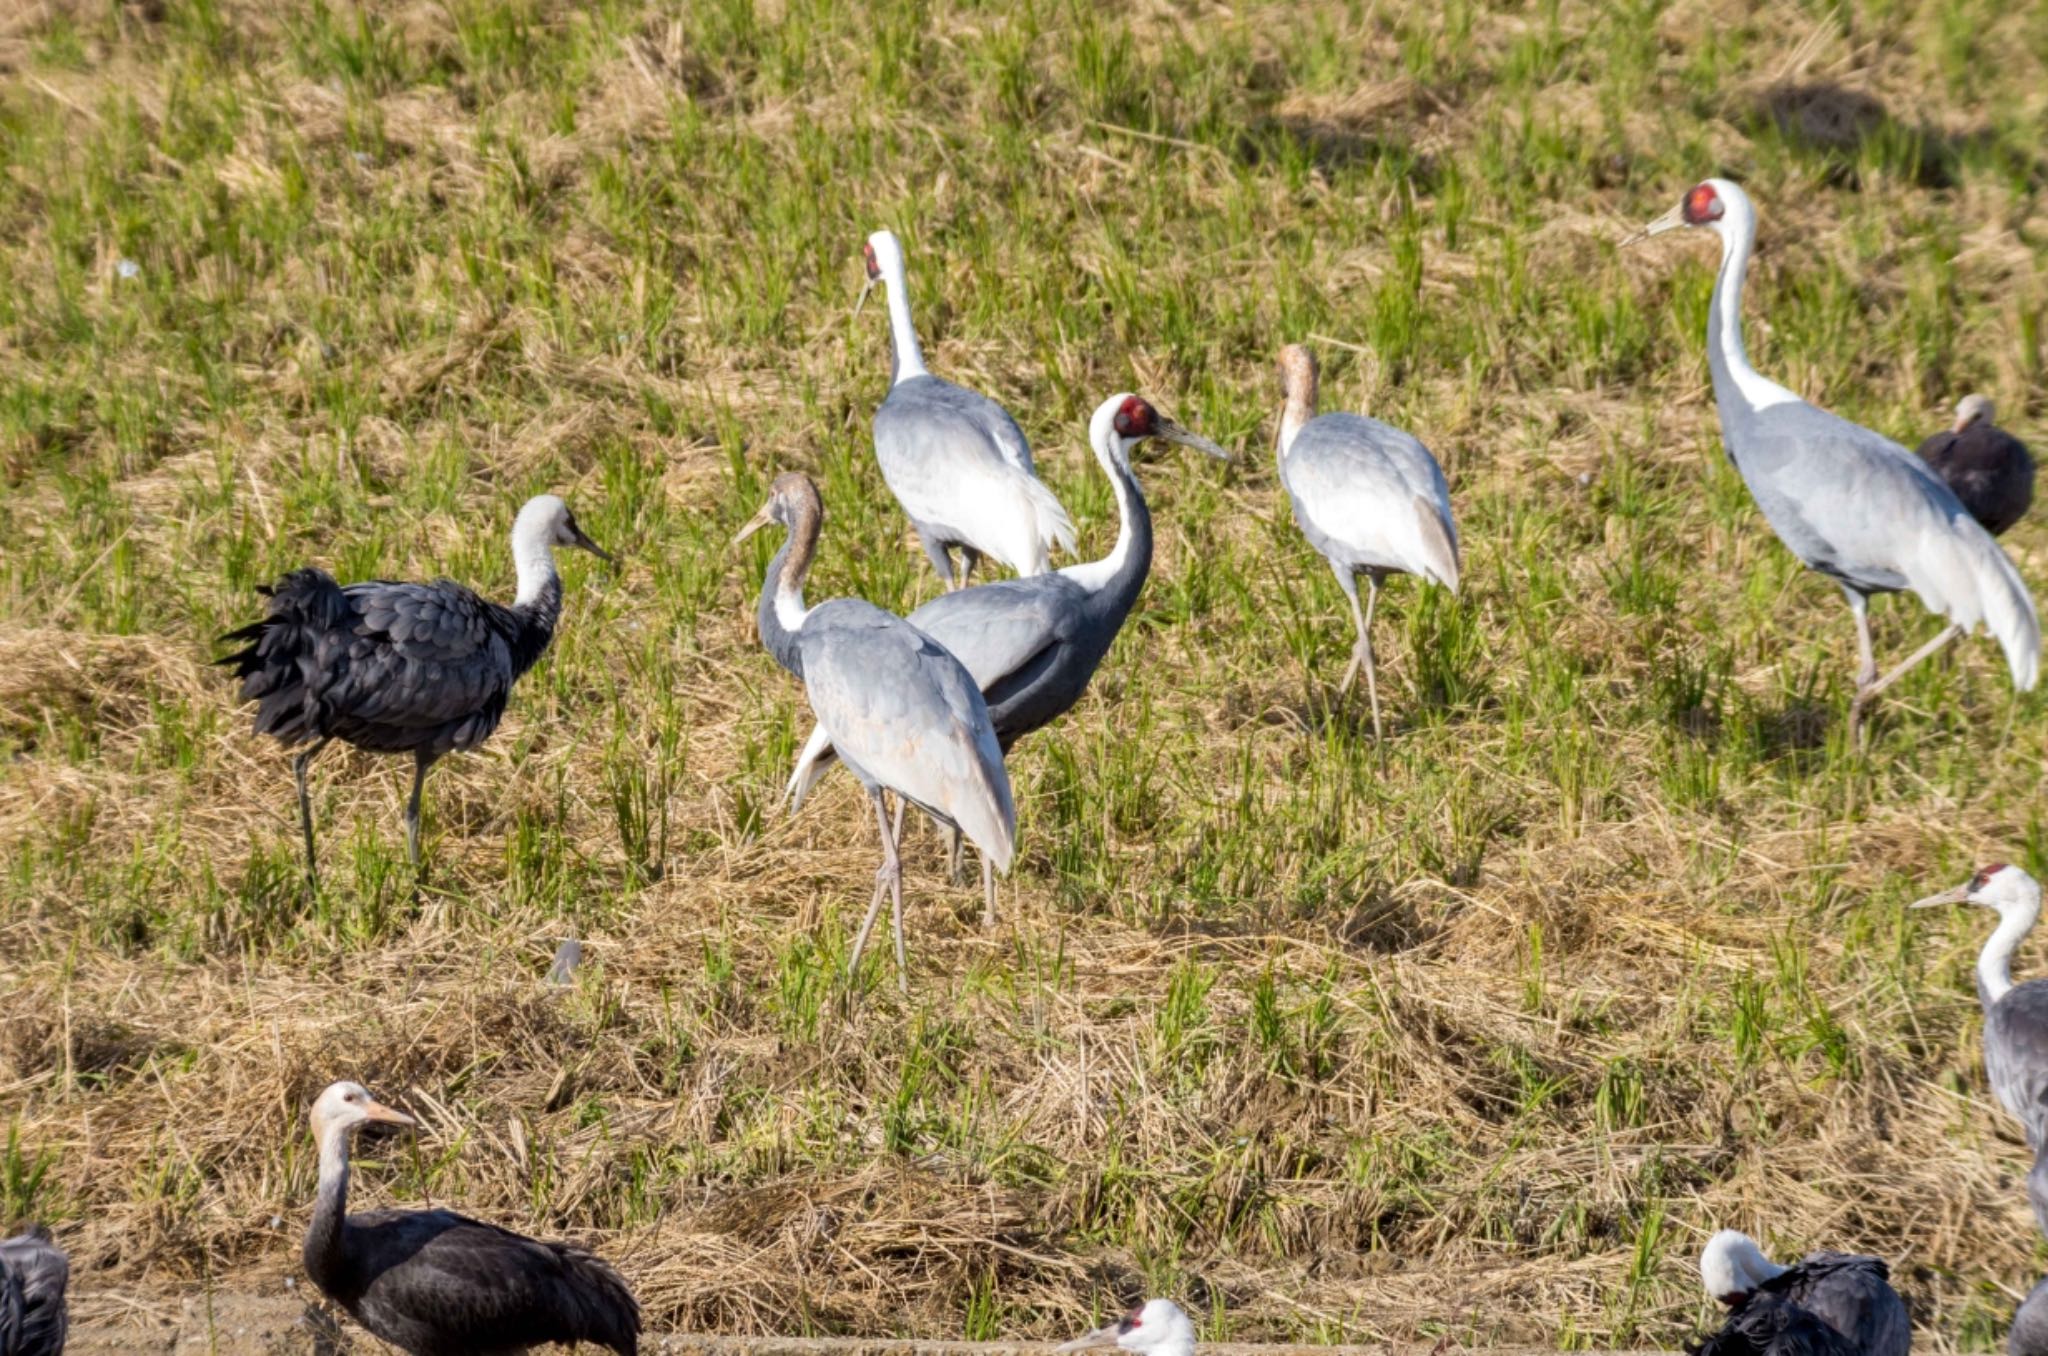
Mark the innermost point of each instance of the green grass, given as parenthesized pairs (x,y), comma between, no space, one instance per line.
(1479,1032)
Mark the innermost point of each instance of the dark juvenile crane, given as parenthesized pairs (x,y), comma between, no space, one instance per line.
(400,668)
(1825,1304)
(33,1275)
(1032,644)
(1989,469)
(435,1283)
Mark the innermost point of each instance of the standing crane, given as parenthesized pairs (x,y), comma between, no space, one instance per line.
(2015,1015)
(899,709)
(435,1283)
(1033,644)
(1850,503)
(400,668)
(34,1274)
(953,458)
(1990,471)
(1849,1294)
(1368,496)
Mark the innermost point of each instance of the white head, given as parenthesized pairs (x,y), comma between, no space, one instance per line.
(1973,408)
(544,522)
(2002,887)
(1123,421)
(1157,1326)
(344,1106)
(1732,1267)
(1720,205)
(883,254)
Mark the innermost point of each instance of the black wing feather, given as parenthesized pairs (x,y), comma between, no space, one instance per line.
(1772,1325)
(34,1274)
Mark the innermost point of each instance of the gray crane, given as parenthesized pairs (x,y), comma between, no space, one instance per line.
(33,1276)
(1158,1327)
(400,668)
(1847,1293)
(1850,503)
(953,458)
(2029,1334)
(1991,472)
(435,1283)
(1369,497)
(901,712)
(1033,644)
(2015,1015)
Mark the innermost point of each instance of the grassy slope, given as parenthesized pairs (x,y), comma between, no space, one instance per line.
(1480,1036)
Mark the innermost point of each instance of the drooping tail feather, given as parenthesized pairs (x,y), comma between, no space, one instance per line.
(280,655)
(1964,575)
(606,1314)
(1055,528)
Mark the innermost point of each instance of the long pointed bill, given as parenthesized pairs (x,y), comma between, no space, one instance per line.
(583,543)
(756,523)
(1670,221)
(1959,895)
(384,1115)
(1174,433)
(1101,1337)
(862,299)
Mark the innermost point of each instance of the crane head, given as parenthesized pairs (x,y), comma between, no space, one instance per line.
(1999,886)
(1157,1325)
(345,1105)
(1732,1267)
(882,254)
(1973,409)
(547,519)
(1124,421)
(792,499)
(1706,203)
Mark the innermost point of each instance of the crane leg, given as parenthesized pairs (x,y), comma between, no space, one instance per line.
(299,766)
(888,880)
(988,895)
(1869,692)
(421,761)
(969,558)
(956,847)
(1361,653)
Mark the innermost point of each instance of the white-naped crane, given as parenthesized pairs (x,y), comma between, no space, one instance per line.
(1769,1306)
(901,712)
(953,458)
(1033,644)
(394,667)
(1369,497)
(435,1283)
(1157,1327)
(1850,503)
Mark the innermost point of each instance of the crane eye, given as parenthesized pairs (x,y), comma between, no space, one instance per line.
(1134,419)
(874,269)
(1702,204)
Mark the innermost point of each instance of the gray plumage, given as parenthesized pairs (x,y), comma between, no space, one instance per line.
(2029,1334)
(435,1283)
(396,667)
(1850,503)
(1032,645)
(955,460)
(33,1276)
(902,713)
(1369,497)
(1990,472)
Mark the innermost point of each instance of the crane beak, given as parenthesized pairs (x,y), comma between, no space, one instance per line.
(379,1114)
(1101,1337)
(583,543)
(756,523)
(862,299)
(1174,433)
(1670,221)
(1959,895)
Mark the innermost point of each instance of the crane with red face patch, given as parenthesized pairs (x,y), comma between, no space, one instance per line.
(953,458)
(1157,1327)
(1850,503)
(2015,1015)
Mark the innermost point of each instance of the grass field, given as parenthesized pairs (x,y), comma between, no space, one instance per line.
(1478,1033)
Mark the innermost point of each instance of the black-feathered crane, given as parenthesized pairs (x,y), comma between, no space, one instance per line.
(1990,471)
(1774,1309)
(33,1275)
(435,1283)
(400,668)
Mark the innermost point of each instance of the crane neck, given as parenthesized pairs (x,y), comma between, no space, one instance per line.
(1994,962)
(1737,385)
(1116,578)
(906,356)
(533,556)
(1299,408)
(330,1204)
(781,612)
